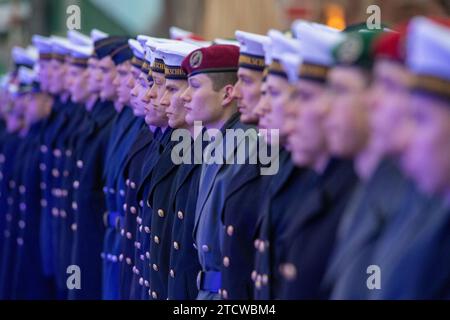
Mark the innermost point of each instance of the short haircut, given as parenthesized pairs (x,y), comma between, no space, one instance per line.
(220,80)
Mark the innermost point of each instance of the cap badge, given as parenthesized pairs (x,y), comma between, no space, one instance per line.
(350,50)
(196,59)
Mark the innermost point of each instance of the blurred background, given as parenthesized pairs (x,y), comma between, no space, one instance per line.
(20,19)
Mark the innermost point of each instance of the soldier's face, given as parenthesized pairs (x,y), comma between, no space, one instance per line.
(95,76)
(174,105)
(44,74)
(58,71)
(155,113)
(133,85)
(262,110)
(280,92)
(390,112)
(247,92)
(347,121)
(79,88)
(123,82)
(141,87)
(307,140)
(202,102)
(15,118)
(35,107)
(108,91)
(427,158)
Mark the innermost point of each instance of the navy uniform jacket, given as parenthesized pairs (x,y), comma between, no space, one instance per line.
(88,226)
(240,214)
(215,180)
(7,157)
(67,204)
(63,166)
(123,133)
(143,231)
(10,232)
(119,233)
(412,253)
(307,243)
(286,191)
(363,223)
(132,176)
(29,279)
(184,265)
(158,200)
(53,125)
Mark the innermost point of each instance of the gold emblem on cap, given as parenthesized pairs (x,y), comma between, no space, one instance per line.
(196,59)
(350,49)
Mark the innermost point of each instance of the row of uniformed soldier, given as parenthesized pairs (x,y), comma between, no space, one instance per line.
(94,205)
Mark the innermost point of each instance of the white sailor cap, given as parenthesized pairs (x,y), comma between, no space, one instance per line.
(317,42)
(43,45)
(291,63)
(199,43)
(251,50)
(280,45)
(428,48)
(78,38)
(24,57)
(300,24)
(60,47)
(428,55)
(80,54)
(173,55)
(228,42)
(98,35)
(26,76)
(138,53)
(152,43)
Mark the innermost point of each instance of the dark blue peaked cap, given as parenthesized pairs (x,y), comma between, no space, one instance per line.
(108,46)
(122,54)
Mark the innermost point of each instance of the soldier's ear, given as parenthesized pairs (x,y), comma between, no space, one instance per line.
(227,94)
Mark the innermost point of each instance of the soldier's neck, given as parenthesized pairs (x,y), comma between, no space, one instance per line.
(321,163)
(64,97)
(91,102)
(366,163)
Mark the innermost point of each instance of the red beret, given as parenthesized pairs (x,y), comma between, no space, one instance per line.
(391,45)
(213,59)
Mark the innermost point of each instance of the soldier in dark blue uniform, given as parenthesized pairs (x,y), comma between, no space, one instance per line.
(159,194)
(277,208)
(383,189)
(411,251)
(247,192)
(76,78)
(141,255)
(304,246)
(89,200)
(183,265)
(44,47)
(124,132)
(204,67)
(54,126)
(155,116)
(29,281)
(129,286)
(68,123)
(11,173)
